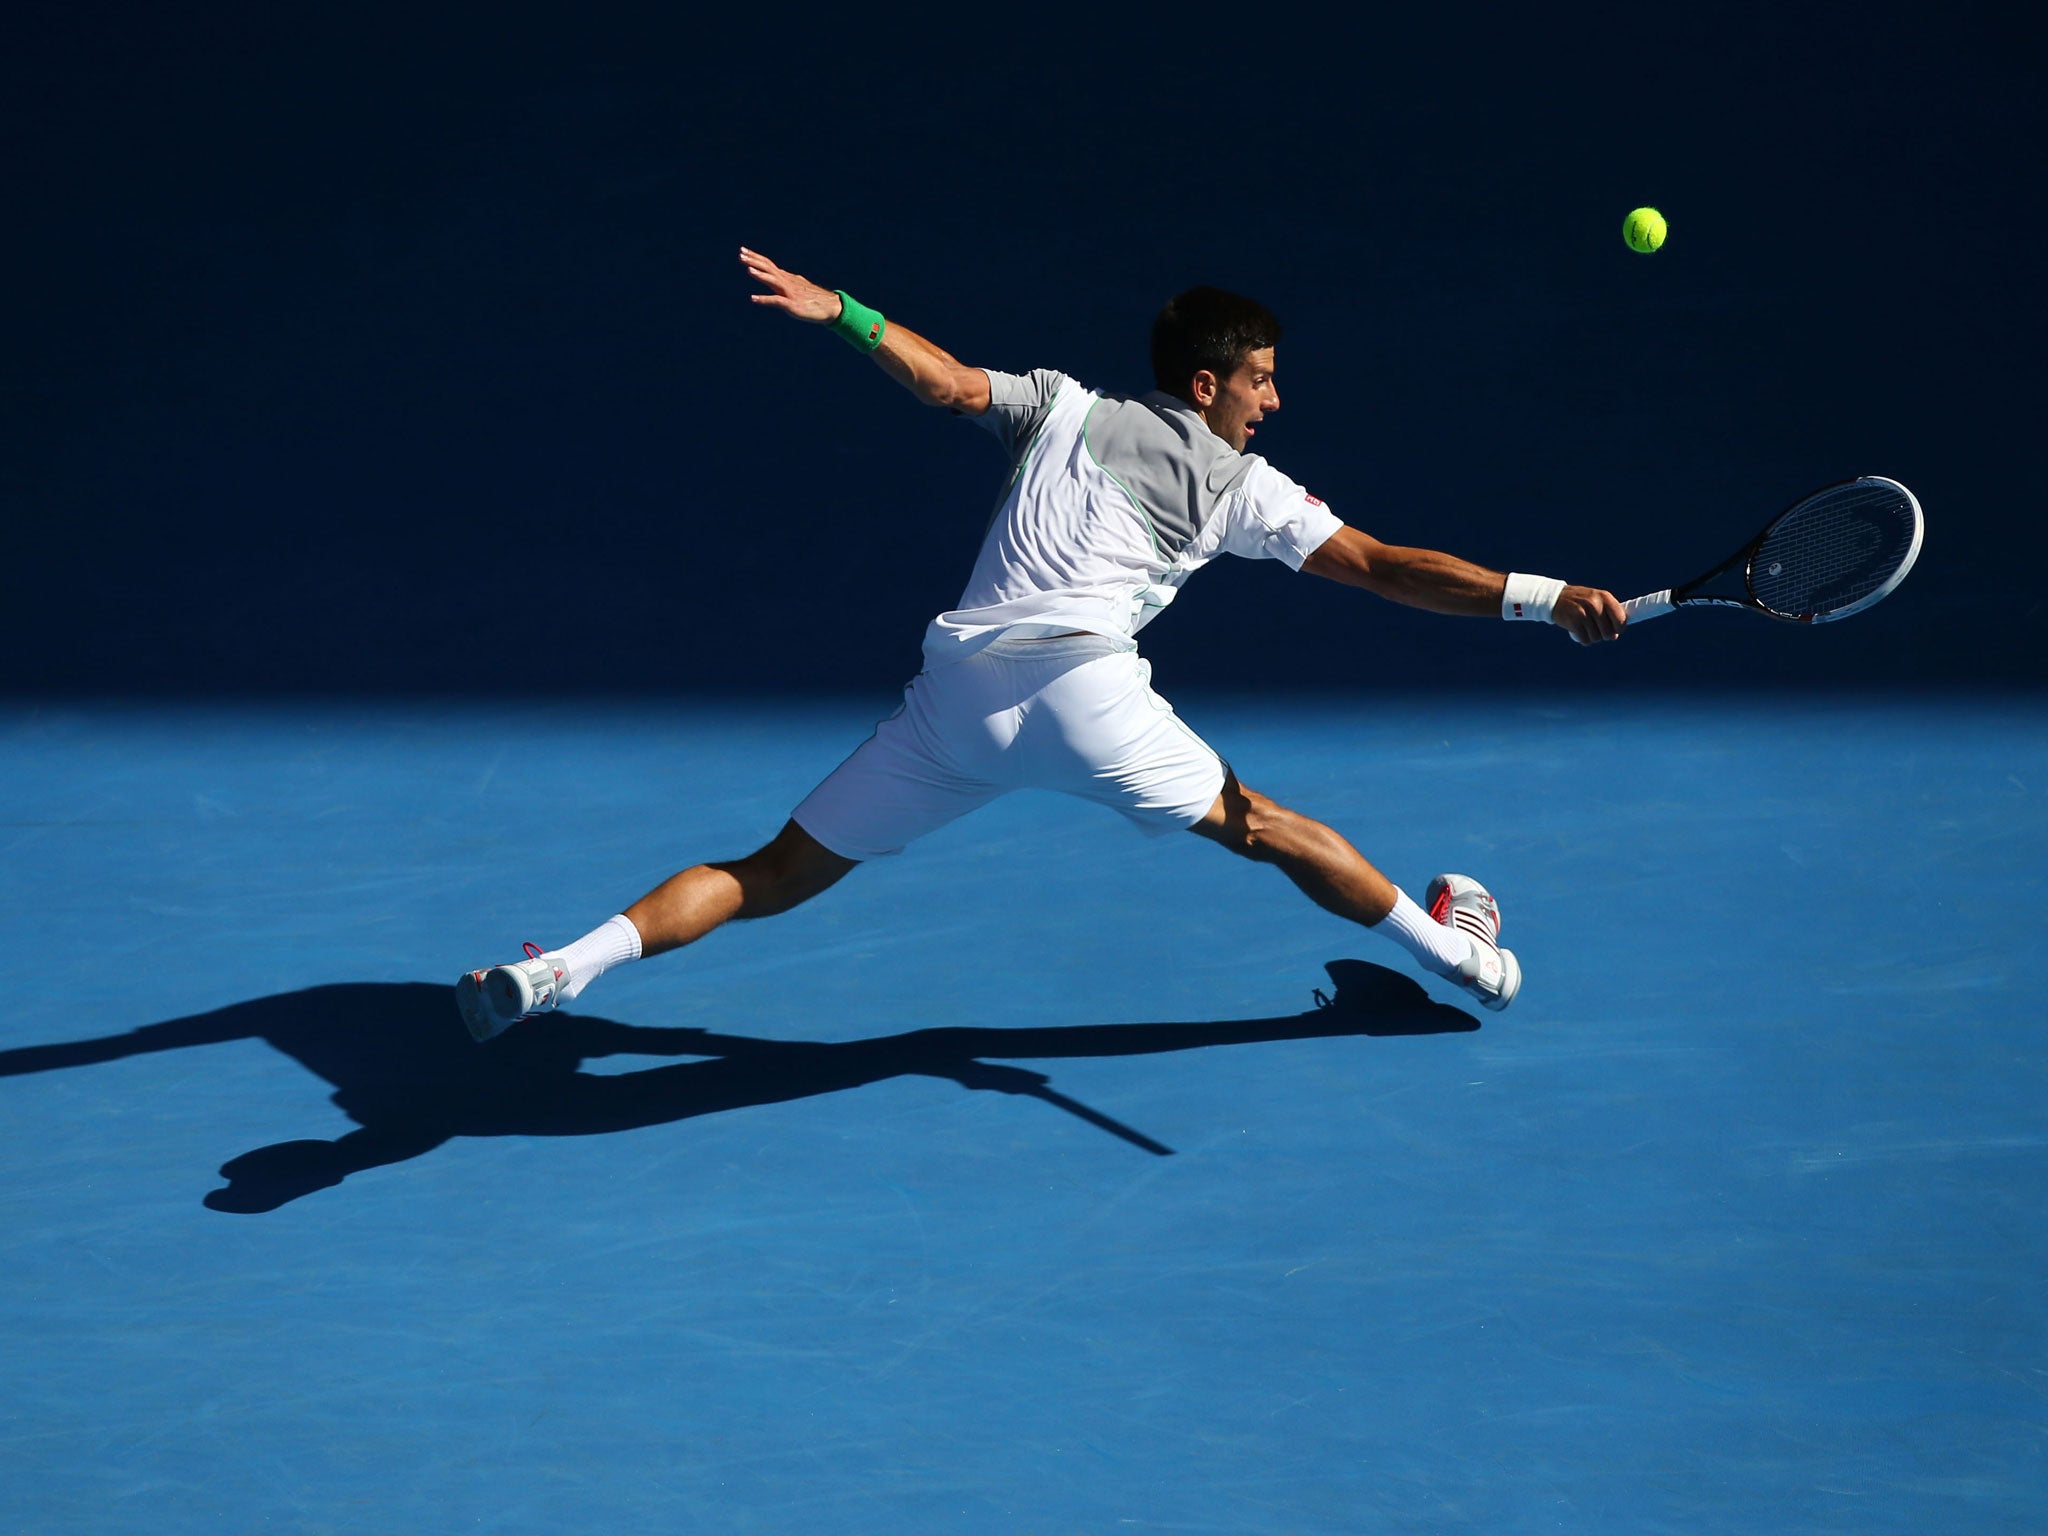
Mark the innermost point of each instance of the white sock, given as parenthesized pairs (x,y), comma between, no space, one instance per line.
(1440,949)
(616,943)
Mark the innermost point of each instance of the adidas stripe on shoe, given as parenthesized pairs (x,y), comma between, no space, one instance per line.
(1490,973)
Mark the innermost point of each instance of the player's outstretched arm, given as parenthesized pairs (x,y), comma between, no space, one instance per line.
(1441,583)
(928,371)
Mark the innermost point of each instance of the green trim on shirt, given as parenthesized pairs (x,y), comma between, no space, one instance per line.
(1151,530)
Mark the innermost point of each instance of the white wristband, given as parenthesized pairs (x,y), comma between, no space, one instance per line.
(1529,597)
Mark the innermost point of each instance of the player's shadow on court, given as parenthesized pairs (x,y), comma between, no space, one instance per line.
(408,1074)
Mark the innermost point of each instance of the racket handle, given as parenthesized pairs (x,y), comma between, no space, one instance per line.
(1653,606)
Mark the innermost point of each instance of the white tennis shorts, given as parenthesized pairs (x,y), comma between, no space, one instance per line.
(1075,714)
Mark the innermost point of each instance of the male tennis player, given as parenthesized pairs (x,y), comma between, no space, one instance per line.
(1034,680)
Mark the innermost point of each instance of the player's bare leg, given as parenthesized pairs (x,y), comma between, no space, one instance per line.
(1331,873)
(1457,937)
(786,873)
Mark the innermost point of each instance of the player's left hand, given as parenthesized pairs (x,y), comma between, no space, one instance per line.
(793,295)
(1589,614)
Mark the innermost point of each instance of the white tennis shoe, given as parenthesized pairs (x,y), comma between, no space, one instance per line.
(1490,973)
(493,1001)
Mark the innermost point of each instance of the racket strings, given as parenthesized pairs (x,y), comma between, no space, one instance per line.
(1833,550)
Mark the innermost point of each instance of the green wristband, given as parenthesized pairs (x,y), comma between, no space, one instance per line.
(861,327)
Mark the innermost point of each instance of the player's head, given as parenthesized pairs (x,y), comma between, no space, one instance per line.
(1215,350)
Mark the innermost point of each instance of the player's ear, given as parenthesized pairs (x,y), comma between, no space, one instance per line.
(1204,387)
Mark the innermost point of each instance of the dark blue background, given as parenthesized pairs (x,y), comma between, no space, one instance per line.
(382,352)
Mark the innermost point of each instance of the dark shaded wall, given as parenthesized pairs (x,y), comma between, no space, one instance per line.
(368,352)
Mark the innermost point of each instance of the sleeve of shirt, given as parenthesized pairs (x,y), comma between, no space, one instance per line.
(1269,517)
(1018,403)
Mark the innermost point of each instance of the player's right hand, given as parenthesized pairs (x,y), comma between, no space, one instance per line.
(1589,613)
(793,295)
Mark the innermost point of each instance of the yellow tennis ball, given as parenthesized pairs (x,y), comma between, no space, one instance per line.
(1643,230)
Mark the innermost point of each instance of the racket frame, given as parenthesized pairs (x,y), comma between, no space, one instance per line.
(1656,604)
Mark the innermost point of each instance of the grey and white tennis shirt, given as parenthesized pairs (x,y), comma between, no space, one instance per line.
(1112,504)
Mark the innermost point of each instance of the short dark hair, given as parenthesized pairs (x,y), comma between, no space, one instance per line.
(1207,328)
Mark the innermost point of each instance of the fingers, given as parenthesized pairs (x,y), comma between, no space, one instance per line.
(1591,614)
(789,292)
(762,270)
(1608,617)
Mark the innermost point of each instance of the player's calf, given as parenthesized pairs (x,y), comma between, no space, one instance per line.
(1325,867)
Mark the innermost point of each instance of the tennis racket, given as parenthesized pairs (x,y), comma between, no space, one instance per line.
(1825,557)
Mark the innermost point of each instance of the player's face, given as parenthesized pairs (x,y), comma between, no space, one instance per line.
(1243,400)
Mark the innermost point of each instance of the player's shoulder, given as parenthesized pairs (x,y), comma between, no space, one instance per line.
(1173,425)
(1264,479)
(1038,387)
(1223,471)
(1273,499)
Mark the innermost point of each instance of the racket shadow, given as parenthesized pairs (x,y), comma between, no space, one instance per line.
(406,1072)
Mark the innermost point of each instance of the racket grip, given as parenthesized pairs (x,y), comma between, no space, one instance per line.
(1653,606)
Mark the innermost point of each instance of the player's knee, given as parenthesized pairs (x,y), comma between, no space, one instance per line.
(1249,824)
(1269,827)
(787,872)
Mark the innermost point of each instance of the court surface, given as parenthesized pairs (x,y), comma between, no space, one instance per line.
(1022,1184)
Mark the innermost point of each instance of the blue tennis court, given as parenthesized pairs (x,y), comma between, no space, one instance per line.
(1045,1178)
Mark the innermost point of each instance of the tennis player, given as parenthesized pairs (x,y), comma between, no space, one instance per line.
(1034,680)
